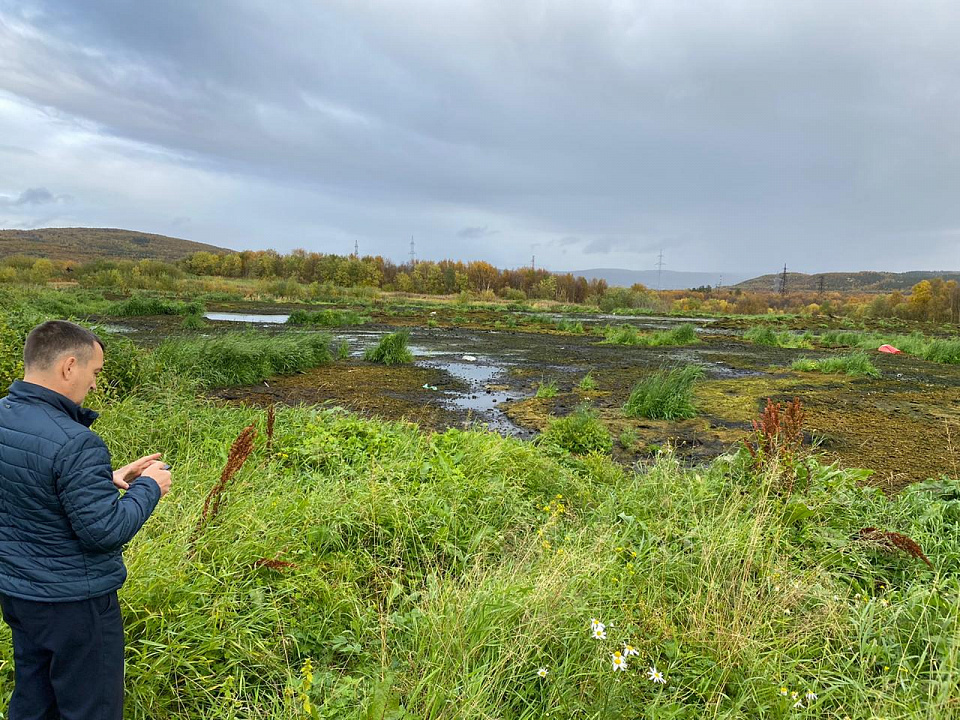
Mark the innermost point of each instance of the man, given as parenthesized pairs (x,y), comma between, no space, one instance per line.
(63,524)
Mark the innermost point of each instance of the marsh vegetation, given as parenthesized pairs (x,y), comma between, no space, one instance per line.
(362,565)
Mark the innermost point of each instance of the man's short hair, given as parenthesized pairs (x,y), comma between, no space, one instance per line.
(50,340)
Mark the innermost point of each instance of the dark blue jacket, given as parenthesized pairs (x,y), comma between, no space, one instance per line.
(63,523)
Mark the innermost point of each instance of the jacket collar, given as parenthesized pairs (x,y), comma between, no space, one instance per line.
(22,391)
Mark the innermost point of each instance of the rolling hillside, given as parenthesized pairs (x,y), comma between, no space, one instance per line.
(86,244)
(847,282)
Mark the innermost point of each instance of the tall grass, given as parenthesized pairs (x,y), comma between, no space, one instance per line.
(372,570)
(391,350)
(243,358)
(547,389)
(580,432)
(666,395)
(938,350)
(764,335)
(327,318)
(628,335)
(139,305)
(856,364)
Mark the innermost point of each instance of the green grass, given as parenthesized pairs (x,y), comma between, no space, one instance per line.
(579,433)
(193,322)
(547,389)
(327,318)
(939,350)
(470,555)
(141,305)
(391,350)
(435,572)
(588,382)
(856,364)
(628,335)
(244,358)
(665,395)
(764,335)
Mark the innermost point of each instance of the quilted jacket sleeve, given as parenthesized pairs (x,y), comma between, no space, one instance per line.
(102,519)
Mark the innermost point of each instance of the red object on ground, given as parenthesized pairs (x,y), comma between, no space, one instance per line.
(889,349)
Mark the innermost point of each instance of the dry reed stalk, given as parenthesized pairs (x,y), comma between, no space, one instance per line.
(892,541)
(239,452)
(778,434)
(271,416)
(275,564)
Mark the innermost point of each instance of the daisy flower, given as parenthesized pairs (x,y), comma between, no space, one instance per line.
(810,696)
(629,650)
(542,672)
(619,661)
(599,633)
(655,675)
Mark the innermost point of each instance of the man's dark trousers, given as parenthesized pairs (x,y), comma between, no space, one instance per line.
(68,658)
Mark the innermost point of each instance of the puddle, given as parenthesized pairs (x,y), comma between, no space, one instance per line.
(247,318)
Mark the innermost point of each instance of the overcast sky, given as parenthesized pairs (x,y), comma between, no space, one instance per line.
(736,135)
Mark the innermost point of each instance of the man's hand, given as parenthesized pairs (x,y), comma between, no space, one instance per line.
(123,476)
(159,472)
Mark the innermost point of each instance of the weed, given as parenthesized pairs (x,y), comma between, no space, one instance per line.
(239,452)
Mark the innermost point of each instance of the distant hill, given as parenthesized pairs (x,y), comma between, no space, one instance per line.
(847,282)
(85,244)
(670,279)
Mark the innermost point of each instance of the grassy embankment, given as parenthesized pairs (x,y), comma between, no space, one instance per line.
(363,569)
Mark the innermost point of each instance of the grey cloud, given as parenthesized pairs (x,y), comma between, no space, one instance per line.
(32,196)
(729,133)
(472,233)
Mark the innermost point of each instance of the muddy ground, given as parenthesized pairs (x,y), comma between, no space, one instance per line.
(905,426)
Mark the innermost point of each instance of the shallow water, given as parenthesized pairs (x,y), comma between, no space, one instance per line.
(247,318)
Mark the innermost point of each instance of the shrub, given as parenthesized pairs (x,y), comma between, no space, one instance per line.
(579,433)
(665,395)
(391,350)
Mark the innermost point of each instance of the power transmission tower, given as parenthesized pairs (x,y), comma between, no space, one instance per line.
(533,263)
(720,282)
(356,248)
(659,270)
(413,252)
(783,280)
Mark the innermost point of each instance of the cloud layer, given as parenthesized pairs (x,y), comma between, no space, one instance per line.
(735,135)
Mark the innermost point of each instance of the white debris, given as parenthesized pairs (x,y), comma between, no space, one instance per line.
(470,358)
